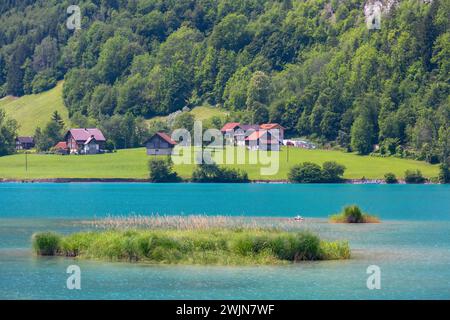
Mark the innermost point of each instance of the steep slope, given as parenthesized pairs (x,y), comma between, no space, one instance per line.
(32,111)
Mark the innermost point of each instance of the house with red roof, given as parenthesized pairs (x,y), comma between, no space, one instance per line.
(248,135)
(266,140)
(61,148)
(235,133)
(85,141)
(274,126)
(160,144)
(230,126)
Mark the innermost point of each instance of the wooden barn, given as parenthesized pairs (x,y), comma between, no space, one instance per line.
(61,148)
(160,144)
(24,143)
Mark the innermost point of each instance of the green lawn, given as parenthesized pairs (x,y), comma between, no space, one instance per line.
(132,163)
(35,110)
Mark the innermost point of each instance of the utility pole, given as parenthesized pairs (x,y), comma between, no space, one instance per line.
(287,153)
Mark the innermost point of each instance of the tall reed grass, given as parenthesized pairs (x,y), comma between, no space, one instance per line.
(193,222)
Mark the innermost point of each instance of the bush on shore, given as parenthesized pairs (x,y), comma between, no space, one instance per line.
(353,214)
(213,173)
(412,176)
(308,172)
(212,246)
(161,170)
(390,178)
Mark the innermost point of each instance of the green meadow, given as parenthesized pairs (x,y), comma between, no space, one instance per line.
(132,163)
(35,110)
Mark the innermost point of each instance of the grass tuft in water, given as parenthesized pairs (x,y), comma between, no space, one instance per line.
(46,243)
(353,214)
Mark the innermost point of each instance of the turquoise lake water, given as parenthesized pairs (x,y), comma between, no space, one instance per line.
(411,245)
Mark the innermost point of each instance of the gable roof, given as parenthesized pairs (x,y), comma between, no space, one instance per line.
(83,134)
(246,127)
(230,126)
(262,136)
(92,138)
(61,145)
(268,126)
(163,136)
(256,135)
(25,139)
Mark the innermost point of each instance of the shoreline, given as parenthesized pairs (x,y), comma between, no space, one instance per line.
(134,180)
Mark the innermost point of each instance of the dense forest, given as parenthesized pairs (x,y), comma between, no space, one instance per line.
(311,65)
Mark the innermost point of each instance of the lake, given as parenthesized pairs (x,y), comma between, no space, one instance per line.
(411,245)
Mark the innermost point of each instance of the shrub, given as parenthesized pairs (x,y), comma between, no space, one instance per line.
(353,214)
(8,133)
(390,178)
(109,146)
(332,171)
(161,170)
(213,173)
(412,176)
(389,146)
(306,172)
(444,173)
(46,243)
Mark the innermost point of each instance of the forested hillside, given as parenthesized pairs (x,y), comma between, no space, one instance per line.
(311,65)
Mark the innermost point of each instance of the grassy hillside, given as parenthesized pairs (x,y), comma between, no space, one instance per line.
(32,111)
(132,163)
(35,110)
(201,113)
(205,113)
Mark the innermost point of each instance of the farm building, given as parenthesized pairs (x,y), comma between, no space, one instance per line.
(235,133)
(160,144)
(247,134)
(245,131)
(274,126)
(263,140)
(229,132)
(61,148)
(24,143)
(85,141)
